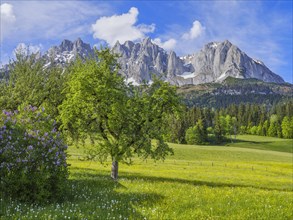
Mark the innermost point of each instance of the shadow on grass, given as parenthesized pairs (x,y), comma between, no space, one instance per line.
(249,142)
(98,192)
(261,145)
(227,142)
(91,195)
(137,176)
(196,182)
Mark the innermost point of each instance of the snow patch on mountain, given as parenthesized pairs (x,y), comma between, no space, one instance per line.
(141,61)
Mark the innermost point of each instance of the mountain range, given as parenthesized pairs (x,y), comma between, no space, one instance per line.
(140,61)
(213,63)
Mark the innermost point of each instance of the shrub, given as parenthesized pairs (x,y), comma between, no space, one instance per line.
(196,134)
(32,156)
(253,130)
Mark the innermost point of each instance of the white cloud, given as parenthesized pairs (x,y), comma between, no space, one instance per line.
(27,49)
(257,32)
(260,31)
(167,45)
(146,28)
(35,20)
(196,30)
(191,39)
(121,28)
(6,11)
(7,19)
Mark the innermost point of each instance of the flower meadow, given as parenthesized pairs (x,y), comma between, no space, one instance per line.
(184,186)
(33,165)
(197,182)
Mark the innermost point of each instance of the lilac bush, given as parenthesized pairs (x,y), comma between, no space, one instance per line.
(32,156)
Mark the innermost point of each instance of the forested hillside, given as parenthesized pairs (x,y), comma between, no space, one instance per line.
(218,125)
(235,91)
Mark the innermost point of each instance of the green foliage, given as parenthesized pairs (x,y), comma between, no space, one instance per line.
(273,132)
(120,120)
(287,127)
(231,121)
(176,127)
(259,130)
(29,83)
(218,129)
(265,128)
(33,158)
(196,134)
(253,130)
(184,186)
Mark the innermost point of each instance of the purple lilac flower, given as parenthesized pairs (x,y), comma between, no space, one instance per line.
(7,113)
(30,147)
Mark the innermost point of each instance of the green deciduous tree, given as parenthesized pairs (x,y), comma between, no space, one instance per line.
(287,127)
(253,130)
(119,120)
(196,134)
(265,128)
(273,128)
(29,83)
(218,129)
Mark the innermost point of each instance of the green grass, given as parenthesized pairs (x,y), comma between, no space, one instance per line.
(264,143)
(198,182)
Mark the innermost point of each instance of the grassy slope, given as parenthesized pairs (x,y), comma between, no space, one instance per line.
(264,143)
(198,182)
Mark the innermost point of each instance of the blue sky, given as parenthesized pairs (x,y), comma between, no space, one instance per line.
(262,29)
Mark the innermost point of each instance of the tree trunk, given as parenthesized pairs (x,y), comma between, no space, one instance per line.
(114,171)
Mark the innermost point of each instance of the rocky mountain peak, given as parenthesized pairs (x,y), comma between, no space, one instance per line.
(147,41)
(213,63)
(129,44)
(139,61)
(66,52)
(81,48)
(66,45)
(228,43)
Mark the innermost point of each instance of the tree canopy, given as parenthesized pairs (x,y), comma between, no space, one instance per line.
(29,83)
(119,119)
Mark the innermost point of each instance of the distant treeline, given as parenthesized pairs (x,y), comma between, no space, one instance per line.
(210,112)
(200,125)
